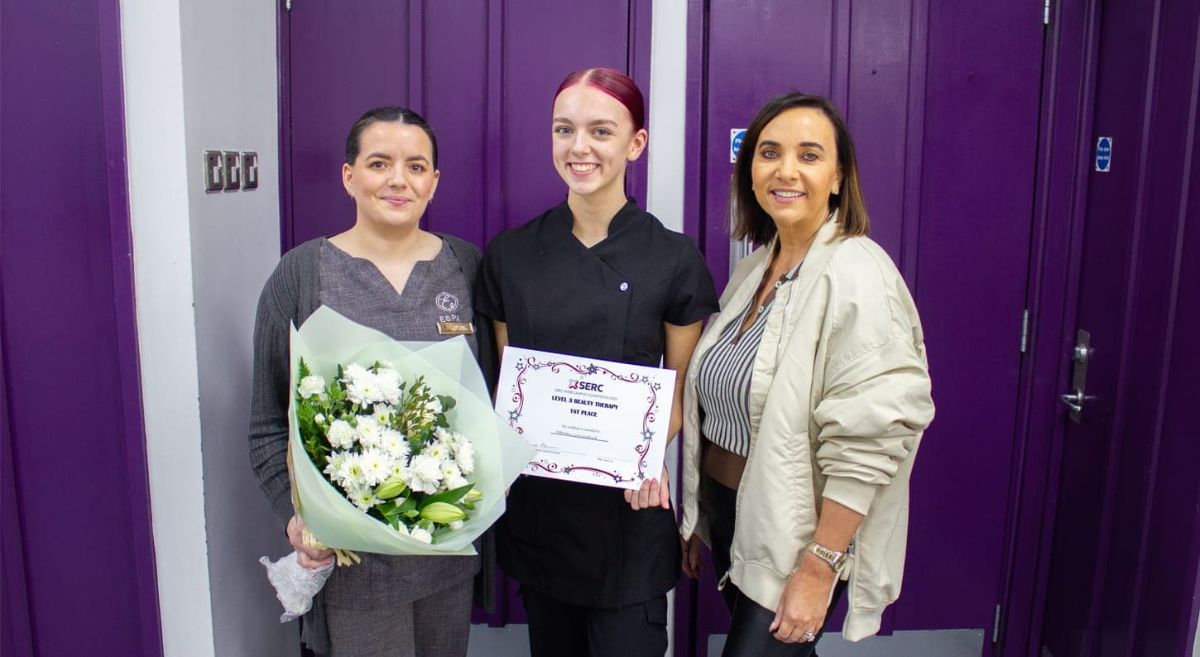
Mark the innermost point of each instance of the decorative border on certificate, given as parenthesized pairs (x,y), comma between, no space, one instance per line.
(584,376)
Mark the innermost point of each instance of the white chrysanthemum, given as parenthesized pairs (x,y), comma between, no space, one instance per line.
(376,466)
(363,498)
(424,473)
(442,435)
(362,386)
(394,444)
(370,432)
(434,405)
(421,534)
(389,382)
(337,461)
(437,450)
(457,481)
(341,434)
(312,386)
(350,472)
(382,413)
(450,472)
(464,456)
(400,469)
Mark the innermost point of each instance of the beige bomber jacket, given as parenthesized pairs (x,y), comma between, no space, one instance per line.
(839,398)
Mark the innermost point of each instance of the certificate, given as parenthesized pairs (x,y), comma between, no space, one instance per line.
(592,421)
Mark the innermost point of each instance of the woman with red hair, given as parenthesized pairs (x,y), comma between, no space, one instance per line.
(598,277)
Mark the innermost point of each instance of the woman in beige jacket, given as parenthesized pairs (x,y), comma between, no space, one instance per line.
(805,398)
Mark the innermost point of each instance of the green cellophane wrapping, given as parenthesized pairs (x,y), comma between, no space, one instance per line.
(327,339)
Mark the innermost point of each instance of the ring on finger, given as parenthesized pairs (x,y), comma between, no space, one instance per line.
(808,636)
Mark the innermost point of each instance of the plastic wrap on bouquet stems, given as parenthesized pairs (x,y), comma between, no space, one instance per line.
(294,584)
(327,339)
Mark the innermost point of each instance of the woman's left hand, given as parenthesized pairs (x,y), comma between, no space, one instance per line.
(804,602)
(654,492)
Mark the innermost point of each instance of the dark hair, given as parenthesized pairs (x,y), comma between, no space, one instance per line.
(614,83)
(750,220)
(389,113)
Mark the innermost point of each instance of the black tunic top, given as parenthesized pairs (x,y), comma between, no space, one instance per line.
(582,543)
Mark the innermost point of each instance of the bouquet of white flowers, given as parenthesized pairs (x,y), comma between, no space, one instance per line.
(387,445)
(394,447)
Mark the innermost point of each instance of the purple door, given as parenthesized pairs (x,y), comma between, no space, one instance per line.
(78,555)
(942,100)
(483,73)
(1122,570)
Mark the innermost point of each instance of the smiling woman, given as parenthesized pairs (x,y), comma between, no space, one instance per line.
(793,498)
(386,273)
(595,277)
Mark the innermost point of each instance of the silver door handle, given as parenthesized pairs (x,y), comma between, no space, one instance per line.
(1073,400)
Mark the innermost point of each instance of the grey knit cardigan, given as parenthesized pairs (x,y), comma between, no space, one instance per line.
(291,294)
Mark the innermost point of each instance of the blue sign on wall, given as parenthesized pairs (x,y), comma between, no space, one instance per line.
(1104,147)
(736,136)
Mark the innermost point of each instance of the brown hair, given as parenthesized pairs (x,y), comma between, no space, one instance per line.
(750,220)
(386,114)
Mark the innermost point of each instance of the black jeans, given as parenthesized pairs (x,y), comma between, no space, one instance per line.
(748,633)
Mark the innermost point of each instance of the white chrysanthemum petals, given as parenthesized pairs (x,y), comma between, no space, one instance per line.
(311,386)
(350,471)
(341,435)
(334,468)
(464,456)
(393,443)
(424,474)
(376,467)
(382,413)
(436,450)
(363,498)
(370,432)
(388,381)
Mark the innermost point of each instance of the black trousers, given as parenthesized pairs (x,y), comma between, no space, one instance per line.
(560,629)
(748,634)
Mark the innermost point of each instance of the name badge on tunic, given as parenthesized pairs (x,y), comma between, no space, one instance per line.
(455,328)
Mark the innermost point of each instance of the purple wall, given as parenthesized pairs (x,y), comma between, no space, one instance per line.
(78,553)
(945,125)
(483,74)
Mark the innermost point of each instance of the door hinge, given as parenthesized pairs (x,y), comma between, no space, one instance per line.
(996,626)
(287,4)
(1045,12)
(1024,330)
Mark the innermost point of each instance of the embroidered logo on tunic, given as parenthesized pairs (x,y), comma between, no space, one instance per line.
(446,302)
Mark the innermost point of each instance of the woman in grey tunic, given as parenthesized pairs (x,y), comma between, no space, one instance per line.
(387,273)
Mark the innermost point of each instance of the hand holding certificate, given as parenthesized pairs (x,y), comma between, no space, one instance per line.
(592,421)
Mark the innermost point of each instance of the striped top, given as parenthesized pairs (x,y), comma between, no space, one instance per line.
(723,384)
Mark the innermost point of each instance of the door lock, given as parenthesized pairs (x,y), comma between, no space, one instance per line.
(1080,355)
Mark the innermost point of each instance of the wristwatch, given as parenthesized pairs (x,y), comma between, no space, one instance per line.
(836,560)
